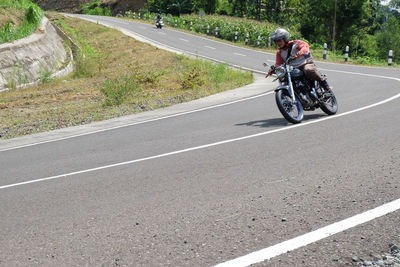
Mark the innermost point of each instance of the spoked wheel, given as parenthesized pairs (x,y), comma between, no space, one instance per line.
(293,112)
(329,103)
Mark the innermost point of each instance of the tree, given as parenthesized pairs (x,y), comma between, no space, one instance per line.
(389,39)
(394,4)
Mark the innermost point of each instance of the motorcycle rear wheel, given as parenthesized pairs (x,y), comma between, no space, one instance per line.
(292,112)
(329,104)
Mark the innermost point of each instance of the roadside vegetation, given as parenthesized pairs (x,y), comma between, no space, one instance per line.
(18,19)
(369,27)
(115,75)
(96,7)
(228,26)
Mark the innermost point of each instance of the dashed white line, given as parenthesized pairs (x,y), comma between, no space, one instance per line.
(184,40)
(238,54)
(210,47)
(162,33)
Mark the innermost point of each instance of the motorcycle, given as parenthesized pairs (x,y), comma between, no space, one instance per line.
(159,24)
(295,93)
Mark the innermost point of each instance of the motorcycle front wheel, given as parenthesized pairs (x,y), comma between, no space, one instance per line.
(329,103)
(293,112)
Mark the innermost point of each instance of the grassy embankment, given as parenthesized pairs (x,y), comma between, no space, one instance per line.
(18,19)
(115,75)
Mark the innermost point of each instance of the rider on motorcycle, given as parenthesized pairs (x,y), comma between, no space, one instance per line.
(158,18)
(302,60)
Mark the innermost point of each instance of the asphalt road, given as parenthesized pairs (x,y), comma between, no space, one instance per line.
(206,187)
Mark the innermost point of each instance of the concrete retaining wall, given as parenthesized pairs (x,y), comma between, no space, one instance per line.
(27,60)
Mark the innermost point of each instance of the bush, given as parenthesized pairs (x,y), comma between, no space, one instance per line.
(32,19)
(96,8)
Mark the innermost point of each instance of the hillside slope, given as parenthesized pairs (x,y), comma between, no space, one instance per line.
(73,6)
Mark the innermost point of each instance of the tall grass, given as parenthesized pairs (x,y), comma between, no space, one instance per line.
(86,58)
(32,17)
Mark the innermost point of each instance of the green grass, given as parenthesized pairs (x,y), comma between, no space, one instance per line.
(29,16)
(122,76)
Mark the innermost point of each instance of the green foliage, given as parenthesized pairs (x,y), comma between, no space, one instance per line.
(33,17)
(131,85)
(96,7)
(394,3)
(174,7)
(86,58)
(117,90)
(389,39)
(45,76)
(17,78)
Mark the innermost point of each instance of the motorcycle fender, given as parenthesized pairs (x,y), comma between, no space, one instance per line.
(282,87)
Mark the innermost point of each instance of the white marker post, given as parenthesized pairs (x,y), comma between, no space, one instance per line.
(346,54)
(216,31)
(269,42)
(259,41)
(390,58)
(191,24)
(325,47)
(236,34)
(208,29)
(246,41)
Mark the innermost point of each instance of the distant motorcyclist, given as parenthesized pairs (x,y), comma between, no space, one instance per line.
(302,60)
(159,22)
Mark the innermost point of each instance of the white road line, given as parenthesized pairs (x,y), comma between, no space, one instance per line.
(210,47)
(140,122)
(179,114)
(205,146)
(238,54)
(162,33)
(314,236)
(184,40)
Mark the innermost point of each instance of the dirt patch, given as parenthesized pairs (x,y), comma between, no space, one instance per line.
(11,15)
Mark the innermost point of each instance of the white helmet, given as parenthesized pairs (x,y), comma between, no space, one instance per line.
(280,34)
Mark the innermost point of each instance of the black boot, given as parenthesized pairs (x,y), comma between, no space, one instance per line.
(324,84)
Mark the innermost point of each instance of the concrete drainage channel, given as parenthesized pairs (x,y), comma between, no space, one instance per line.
(25,61)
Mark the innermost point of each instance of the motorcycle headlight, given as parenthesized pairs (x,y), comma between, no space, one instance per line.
(280,72)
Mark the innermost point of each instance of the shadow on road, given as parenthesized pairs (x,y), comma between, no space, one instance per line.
(278,121)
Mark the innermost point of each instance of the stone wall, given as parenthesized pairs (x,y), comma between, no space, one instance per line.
(27,60)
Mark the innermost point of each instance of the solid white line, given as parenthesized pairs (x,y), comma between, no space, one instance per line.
(238,54)
(179,114)
(311,237)
(140,122)
(210,47)
(183,40)
(203,146)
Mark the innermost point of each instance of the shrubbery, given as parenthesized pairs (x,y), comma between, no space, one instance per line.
(33,17)
(96,8)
